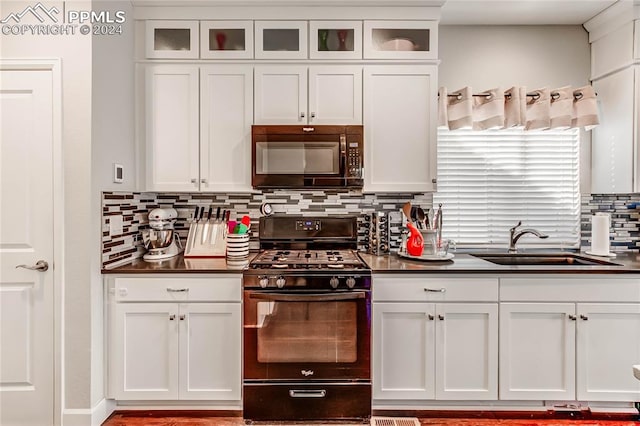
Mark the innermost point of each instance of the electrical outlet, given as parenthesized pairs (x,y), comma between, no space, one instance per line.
(115,225)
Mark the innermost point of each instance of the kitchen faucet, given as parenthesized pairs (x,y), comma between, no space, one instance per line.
(515,236)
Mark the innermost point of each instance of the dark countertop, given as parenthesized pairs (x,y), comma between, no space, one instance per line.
(179,264)
(464,263)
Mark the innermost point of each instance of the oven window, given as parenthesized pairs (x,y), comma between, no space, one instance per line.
(307,331)
(297,158)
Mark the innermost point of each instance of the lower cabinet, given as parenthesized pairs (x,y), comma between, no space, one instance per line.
(571,346)
(446,351)
(180,348)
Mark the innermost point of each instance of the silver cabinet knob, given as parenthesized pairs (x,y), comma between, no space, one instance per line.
(194,180)
(302,115)
(572,317)
(40,266)
(203,181)
(584,317)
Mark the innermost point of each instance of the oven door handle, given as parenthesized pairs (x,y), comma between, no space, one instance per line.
(316,297)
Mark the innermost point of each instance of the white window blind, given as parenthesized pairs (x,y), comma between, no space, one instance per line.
(490,180)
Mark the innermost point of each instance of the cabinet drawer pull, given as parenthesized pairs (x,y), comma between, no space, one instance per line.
(308,129)
(431,290)
(304,393)
(584,317)
(572,317)
(177,290)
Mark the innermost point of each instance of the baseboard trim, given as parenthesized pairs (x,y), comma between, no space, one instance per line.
(505,414)
(88,416)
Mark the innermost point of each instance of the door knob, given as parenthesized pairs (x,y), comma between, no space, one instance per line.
(40,266)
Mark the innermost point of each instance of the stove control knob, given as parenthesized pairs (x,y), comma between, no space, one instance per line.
(351,282)
(334,282)
(263,281)
(280,281)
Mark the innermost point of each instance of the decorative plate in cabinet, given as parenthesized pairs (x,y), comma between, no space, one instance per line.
(400,40)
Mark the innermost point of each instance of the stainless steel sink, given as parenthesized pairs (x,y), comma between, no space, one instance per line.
(544,259)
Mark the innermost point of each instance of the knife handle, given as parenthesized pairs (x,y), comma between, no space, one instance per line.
(195,215)
(218,213)
(209,214)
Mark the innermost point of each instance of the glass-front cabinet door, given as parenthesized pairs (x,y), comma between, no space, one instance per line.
(400,40)
(281,39)
(172,39)
(226,39)
(335,39)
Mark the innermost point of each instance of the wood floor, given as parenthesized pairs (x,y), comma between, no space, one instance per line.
(124,419)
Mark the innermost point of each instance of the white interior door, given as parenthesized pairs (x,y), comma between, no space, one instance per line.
(26,237)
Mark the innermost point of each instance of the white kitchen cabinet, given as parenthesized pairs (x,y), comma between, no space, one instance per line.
(401,40)
(301,94)
(198,127)
(537,351)
(608,342)
(614,142)
(281,39)
(226,39)
(335,39)
(171,39)
(570,338)
(399,123)
(422,350)
(172,127)
(174,338)
(226,116)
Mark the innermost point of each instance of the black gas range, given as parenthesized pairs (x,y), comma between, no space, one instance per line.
(307,322)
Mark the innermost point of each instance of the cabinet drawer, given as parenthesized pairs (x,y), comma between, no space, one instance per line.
(546,289)
(224,288)
(391,288)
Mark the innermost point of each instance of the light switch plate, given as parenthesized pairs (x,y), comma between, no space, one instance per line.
(118,173)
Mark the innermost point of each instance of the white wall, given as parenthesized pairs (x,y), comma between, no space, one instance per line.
(112,129)
(485,57)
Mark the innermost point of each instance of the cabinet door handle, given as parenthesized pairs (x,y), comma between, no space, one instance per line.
(177,290)
(441,317)
(430,317)
(431,290)
(194,180)
(572,317)
(182,317)
(172,317)
(302,115)
(313,115)
(203,181)
(584,317)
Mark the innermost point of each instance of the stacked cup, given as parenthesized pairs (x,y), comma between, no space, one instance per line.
(237,245)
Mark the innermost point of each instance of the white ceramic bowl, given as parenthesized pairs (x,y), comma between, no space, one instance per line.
(398,44)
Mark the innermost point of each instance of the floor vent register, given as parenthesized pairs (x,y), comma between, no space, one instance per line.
(394,421)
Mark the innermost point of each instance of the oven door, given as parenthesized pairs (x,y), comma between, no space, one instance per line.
(307,335)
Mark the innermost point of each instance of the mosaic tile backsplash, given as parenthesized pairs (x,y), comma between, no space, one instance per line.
(624,209)
(134,207)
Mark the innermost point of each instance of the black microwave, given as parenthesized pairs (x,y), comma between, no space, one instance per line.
(307,157)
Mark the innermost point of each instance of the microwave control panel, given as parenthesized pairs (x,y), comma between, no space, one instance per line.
(353,160)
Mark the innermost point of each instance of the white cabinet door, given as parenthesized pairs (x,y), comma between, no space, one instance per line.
(400,127)
(145,348)
(172,128)
(280,94)
(613,160)
(608,345)
(335,94)
(210,354)
(226,115)
(403,351)
(172,39)
(537,351)
(467,351)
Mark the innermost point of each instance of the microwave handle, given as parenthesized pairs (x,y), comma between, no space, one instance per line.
(343,156)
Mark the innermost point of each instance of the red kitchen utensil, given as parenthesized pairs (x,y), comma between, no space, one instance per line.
(415,242)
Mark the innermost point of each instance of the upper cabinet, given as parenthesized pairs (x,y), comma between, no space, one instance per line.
(171,39)
(281,39)
(226,39)
(400,40)
(335,39)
